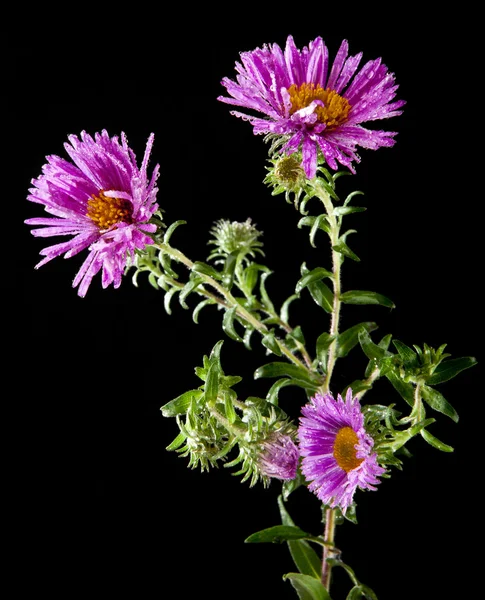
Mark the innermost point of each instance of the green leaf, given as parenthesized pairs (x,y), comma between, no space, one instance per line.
(171,229)
(365,297)
(315,275)
(264,294)
(340,211)
(211,386)
(324,341)
(202,267)
(408,356)
(405,390)
(320,223)
(281,369)
(199,307)
(350,337)
(371,350)
(272,395)
(355,593)
(284,313)
(277,535)
(450,368)
(229,406)
(188,288)
(177,442)
(181,404)
(308,588)
(229,268)
(303,555)
(167,299)
(228,324)
(342,248)
(351,195)
(320,292)
(435,442)
(215,353)
(269,341)
(438,402)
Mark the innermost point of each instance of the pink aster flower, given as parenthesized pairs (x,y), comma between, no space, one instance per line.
(336,450)
(316,105)
(279,457)
(101,199)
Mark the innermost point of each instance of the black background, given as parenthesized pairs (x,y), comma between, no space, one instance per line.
(105,509)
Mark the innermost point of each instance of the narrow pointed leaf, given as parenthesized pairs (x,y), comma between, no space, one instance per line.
(277,535)
(229,407)
(405,390)
(320,223)
(264,294)
(435,442)
(304,556)
(315,275)
(340,211)
(199,307)
(215,353)
(211,386)
(181,404)
(439,403)
(201,267)
(171,229)
(284,313)
(450,368)
(167,299)
(272,395)
(350,337)
(307,588)
(365,297)
(320,292)
(371,350)
(324,341)
(351,195)
(281,369)
(342,248)
(269,341)
(408,356)
(228,324)
(177,442)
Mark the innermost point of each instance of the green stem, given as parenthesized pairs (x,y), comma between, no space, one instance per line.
(231,301)
(330,521)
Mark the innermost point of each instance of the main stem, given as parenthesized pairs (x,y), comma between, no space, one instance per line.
(330,521)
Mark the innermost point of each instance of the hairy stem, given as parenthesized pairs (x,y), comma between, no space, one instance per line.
(330,520)
(232,302)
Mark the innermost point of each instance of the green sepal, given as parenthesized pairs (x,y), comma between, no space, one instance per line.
(450,368)
(177,442)
(181,404)
(269,341)
(202,267)
(365,297)
(349,338)
(435,442)
(342,248)
(304,556)
(228,324)
(320,293)
(307,587)
(310,277)
(438,402)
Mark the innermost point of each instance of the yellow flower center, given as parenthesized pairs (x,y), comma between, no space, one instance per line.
(344,450)
(105,211)
(335,109)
